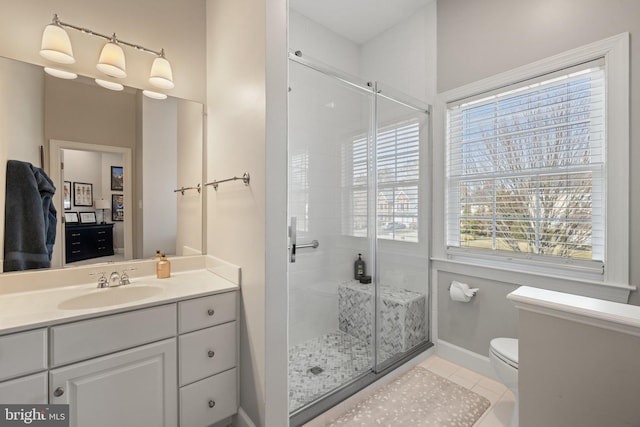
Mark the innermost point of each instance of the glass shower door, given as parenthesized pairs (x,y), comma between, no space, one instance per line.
(330,320)
(402,227)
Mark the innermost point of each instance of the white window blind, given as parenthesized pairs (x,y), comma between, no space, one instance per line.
(398,173)
(526,168)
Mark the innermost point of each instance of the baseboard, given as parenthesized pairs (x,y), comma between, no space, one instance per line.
(243,420)
(466,358)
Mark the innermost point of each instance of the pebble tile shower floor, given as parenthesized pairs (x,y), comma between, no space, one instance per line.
(342,357)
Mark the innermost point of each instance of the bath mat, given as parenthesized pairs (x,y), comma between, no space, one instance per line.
(418,398)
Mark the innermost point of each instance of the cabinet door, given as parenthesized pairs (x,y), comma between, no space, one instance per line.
(25,390)
(136,387)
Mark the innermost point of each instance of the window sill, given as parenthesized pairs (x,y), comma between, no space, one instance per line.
(536,279)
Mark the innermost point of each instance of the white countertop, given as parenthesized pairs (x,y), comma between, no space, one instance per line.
(596,312)
(37,308)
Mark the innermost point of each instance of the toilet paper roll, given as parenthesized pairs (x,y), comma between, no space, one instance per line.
(461,292)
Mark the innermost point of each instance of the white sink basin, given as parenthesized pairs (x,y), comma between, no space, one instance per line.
(110,296)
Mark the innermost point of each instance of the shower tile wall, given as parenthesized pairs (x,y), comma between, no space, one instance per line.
(323,117)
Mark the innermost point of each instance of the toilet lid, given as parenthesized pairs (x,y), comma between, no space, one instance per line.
(506,349)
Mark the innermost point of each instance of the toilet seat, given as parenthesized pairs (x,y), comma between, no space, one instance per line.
(505,349)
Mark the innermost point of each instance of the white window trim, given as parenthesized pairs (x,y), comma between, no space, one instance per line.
(615,51)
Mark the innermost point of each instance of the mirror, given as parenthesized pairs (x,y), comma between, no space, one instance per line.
(117,157)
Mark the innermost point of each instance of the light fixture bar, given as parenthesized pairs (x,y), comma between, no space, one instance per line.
(56,20)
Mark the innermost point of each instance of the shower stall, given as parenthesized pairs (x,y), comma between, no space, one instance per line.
(357,184)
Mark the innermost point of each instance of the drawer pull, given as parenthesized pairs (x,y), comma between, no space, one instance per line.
(58,392)
(211,353)
(212,403)
(210,312)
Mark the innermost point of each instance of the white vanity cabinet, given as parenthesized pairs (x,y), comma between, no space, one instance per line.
(208,351)
(116,387)
(172,364)
(23,361)
(130,388)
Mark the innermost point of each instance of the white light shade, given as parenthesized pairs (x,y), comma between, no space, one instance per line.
(109,85)
(61,74)
(102,204)
(112,61)
(154,95)
(161,75)
(56,45)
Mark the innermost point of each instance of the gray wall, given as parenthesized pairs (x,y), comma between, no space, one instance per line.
(477,39)
(473,324)
(571,374)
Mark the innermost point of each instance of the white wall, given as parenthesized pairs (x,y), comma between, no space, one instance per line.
(189,174)
(159,168)
(236,102)
(404,57)
(321,44)
(176,26)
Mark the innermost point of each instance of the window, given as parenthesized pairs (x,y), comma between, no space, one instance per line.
(398,166)
(536,167)
(526,167)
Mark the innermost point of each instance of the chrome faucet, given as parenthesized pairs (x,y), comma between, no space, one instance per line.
(124,277)
(114,280)
(102,280)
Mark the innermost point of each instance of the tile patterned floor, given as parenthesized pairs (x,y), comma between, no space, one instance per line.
(498,414)
(341,357)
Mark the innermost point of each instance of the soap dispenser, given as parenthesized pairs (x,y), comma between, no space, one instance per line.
(359,268)
(163,267)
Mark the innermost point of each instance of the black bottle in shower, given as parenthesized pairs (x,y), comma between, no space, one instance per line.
(359,268)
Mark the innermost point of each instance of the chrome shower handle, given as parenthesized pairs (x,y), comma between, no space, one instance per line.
(293,245)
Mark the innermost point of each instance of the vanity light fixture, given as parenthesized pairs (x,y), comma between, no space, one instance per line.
(56,46)
(161,75)
(112,61)
(61,74)
(110,85)
(154,95)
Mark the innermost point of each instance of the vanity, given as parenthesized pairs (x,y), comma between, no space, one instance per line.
(156,352)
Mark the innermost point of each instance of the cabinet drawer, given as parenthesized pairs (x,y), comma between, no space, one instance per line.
(30,390)
(23,353)
(209,401)
(207,352)
(95,337)
(203,312)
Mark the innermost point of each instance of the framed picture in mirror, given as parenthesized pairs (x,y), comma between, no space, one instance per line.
(82,194)
(117,207)
(71,218)
(117,179)
(87,217)
(67,195)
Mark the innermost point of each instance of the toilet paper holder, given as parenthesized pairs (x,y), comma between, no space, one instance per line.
(461,292)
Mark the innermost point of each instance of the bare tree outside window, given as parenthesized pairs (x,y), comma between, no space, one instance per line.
(526,168)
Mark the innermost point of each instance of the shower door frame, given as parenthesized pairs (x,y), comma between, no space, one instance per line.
(377,370)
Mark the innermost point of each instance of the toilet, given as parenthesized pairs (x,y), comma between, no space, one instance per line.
(503,354)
